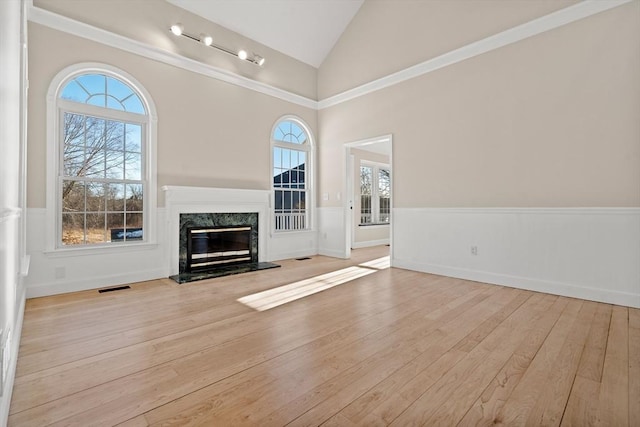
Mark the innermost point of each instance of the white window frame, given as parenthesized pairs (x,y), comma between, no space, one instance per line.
(55,110)
(309,148)
(375,198)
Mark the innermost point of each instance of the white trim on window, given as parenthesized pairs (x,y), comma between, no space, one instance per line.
(309,148)
(54,106)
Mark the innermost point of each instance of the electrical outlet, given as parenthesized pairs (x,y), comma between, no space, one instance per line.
(474,250)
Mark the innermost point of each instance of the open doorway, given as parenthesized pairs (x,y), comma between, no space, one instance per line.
(369,193)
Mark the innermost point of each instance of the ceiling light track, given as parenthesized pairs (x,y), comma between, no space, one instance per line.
(207,40)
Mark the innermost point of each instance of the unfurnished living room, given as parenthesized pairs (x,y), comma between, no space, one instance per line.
(319,212)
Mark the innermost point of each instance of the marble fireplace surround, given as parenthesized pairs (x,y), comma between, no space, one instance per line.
(182,200)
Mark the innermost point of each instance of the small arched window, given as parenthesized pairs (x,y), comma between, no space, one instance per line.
(104,175)
(291,174)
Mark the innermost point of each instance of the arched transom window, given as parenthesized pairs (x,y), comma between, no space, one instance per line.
(102,176)
(291,173)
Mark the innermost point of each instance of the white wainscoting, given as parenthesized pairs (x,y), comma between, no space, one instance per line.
(292,244)
(52,273)
(331,232)
(589,253)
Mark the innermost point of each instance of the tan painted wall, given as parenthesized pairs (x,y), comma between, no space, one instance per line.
(552,121)
(387,36)
(148,21)
(210,133)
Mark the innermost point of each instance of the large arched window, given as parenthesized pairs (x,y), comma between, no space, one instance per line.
(291,174)
(103,127)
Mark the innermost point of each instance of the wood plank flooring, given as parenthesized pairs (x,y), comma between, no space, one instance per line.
(386,347)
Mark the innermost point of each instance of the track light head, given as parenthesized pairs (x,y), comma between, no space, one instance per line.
(177,29)
(206,39)
(242,54)
(258,59)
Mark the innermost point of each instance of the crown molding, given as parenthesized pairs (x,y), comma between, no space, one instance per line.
(80,29)
(537,26)
(545,23)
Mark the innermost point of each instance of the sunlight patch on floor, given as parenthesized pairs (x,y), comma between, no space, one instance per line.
(275,297)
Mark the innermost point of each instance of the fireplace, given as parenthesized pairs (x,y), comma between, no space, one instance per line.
(209,247)
(217,244)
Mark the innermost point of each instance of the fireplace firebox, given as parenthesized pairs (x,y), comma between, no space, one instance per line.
(215,246)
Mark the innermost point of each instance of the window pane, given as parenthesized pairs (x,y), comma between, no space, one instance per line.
(133,166)
(115,227)
(74,92)
(277,159)
(93,83)
(115,197)
(72,229)
(286,158)
(99,100)
(134,197)
(133,138)
(115,164)
(95,147)
(133,226)
(134,105)
(366,177)
(117,89)
(96,228)
(384,195)
(72,196)
(95,197)
(114,104)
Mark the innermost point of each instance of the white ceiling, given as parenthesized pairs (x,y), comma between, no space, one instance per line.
(303,29)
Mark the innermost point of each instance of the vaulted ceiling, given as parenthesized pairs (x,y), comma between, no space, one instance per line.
(303,29)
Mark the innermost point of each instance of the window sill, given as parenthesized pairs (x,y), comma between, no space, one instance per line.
(375,224)
(99,250)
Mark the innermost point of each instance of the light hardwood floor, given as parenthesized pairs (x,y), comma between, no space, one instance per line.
(391,347)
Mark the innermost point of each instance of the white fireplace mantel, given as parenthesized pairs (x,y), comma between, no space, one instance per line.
(180,199)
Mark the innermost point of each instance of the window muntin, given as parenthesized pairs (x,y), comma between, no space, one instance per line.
(103,91)
(290,173)
(101,177)
(375,194)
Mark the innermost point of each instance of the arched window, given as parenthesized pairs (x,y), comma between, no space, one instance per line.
(103,134)
(292,171)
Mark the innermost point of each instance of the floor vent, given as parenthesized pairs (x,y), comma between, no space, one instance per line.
(303,258)
(119,288)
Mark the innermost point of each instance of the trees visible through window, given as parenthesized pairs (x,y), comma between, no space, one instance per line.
(291,158)
(375,194)
(103,126)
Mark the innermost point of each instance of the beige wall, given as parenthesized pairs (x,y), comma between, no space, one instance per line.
(210,133)
(387,36)
(549,121)
(148,21)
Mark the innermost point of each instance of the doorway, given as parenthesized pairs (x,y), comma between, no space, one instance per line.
(369,193)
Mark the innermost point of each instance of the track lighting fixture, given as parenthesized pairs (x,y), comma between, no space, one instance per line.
(207,40)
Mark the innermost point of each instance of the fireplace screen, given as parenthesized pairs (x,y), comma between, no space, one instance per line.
(211,247)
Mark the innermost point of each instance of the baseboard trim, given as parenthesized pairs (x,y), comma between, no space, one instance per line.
(332,253)
(294,254)
(369,243)
(55,288)
(5,401)
(528,283)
